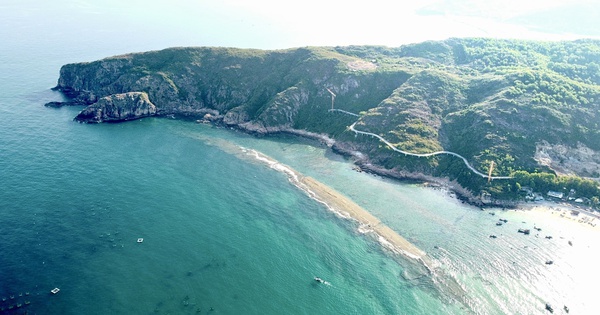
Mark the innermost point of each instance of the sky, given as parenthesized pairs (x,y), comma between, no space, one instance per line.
(393,23)
(268,24)
(284,24)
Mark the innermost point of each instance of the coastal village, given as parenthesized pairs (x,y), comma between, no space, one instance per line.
(568,205)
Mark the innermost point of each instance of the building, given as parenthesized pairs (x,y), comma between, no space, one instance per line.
(555,194)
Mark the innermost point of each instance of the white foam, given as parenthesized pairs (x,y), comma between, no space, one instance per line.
(364,229)
(387,244)
(293,177)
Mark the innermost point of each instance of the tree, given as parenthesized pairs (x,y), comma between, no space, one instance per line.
(595,201)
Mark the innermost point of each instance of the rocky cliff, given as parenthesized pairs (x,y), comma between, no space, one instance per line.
(255,90)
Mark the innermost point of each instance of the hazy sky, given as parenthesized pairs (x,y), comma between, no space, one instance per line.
(280,24)
(272,24)
(319,22)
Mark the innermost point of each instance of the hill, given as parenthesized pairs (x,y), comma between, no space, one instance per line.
(531,108)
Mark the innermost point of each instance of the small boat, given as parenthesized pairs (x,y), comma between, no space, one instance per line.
(566,309)
(549,262)
(570,243)
(498,223)
(503,220)
(139,240)
(549,308)
(549,237)
(319,280)
(55,290)
(493,236)
(524,231)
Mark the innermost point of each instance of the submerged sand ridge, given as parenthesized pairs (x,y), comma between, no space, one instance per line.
(348,209)
(422,267)
(419,268)
(341,203)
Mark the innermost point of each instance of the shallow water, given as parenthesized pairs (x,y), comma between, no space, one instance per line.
(226,232)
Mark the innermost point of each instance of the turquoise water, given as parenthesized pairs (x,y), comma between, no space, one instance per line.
(223,233)
(218,231)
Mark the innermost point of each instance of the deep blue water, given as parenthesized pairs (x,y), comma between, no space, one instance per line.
(222,233)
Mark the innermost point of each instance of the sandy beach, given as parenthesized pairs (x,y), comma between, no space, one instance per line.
(565,211)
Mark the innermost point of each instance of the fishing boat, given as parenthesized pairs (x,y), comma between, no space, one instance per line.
(524,231)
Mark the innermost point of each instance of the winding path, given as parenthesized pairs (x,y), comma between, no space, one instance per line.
(424,154)
(343,111)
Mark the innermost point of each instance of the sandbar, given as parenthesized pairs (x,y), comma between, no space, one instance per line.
(348,209)
(345,205)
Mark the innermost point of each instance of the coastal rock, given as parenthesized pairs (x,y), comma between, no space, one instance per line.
(73,102)
(236,116)
(118,107)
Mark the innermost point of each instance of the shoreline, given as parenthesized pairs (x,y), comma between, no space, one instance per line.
(362,161)
(566,211)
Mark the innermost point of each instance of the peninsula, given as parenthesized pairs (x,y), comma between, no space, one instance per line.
(499,120)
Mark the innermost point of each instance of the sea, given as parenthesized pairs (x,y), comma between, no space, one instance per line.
(167,216)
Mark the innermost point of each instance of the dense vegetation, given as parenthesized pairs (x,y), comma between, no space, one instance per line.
(488,100)
(491,100)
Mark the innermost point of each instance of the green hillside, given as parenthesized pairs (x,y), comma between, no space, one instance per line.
(531,108)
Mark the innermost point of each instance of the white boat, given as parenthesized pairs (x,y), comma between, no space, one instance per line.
(55,290)
(139,240)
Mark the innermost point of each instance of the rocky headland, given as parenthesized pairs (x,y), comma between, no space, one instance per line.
(495,102)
